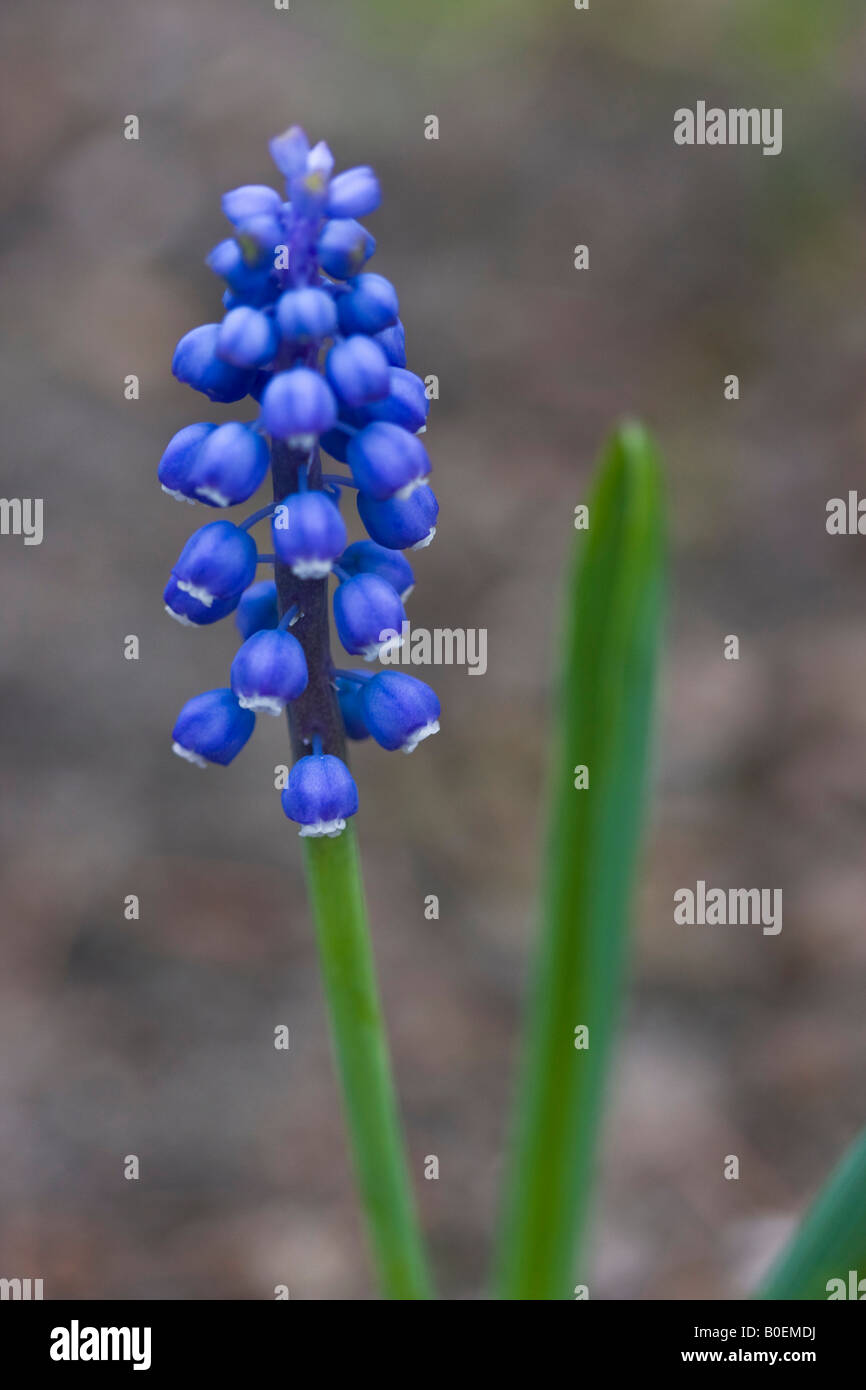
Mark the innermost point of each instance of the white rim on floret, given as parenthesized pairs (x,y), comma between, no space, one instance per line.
(188,755)
(178,496)
(262,704)
(331,828)
(407,491)
(179,617)
(210,494)
(377,650)
(421,545)
(312,569)
(419,735)
(196,591)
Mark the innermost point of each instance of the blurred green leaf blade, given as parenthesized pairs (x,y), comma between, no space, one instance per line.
(605,702)
(831,1239)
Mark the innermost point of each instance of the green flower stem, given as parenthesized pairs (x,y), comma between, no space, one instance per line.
(831,1240)
(358,1034)
(610,647)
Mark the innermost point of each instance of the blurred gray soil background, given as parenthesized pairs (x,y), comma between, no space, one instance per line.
(155,1037)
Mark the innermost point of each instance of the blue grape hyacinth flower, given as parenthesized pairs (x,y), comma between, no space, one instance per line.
(366,608)
(309,533)
(313,340)
(217,562)
(321,793)
(269,671)
(258,608)
(212,728)
(399,711)
(366,557)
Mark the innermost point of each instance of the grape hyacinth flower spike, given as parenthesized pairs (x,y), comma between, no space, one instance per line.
(314,339)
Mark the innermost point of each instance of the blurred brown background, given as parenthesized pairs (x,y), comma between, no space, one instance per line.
(155,1037)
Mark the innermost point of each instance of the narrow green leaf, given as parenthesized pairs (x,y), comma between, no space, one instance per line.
(831,1240)
(612,636)
(363,1063)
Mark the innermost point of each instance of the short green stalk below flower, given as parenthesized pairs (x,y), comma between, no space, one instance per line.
(363,1063)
